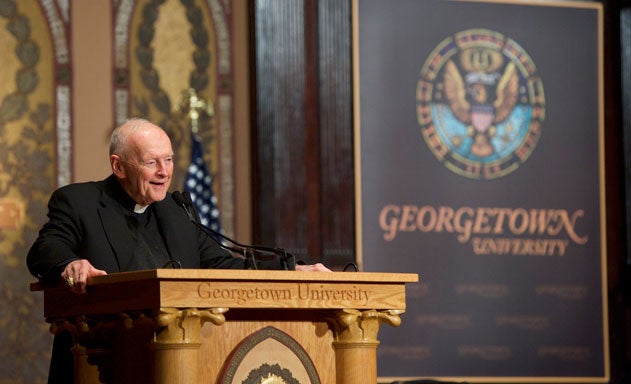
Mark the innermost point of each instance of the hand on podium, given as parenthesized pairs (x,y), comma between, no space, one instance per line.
(317,267)
(77,272)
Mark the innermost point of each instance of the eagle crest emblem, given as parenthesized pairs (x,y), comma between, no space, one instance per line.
(480,104)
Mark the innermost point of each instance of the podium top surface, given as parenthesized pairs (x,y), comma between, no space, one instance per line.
(237,274)
(268,275)
(213,288)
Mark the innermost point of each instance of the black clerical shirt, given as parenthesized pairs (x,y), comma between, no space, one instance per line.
(150,252)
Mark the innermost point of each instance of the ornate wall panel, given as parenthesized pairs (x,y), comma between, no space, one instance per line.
(35,158)
(163,49)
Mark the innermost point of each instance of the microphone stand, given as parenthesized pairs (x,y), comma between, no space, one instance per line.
(250,262)
(248,251)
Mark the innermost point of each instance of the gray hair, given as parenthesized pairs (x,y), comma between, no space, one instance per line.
(121,134)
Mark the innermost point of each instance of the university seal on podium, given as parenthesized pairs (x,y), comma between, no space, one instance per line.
(480,104)
(269,356)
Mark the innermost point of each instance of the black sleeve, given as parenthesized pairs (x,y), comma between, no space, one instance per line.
(58,239)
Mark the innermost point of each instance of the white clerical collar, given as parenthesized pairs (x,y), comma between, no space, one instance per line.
(140,208)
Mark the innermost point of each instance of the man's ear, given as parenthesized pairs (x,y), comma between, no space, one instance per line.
(117,166)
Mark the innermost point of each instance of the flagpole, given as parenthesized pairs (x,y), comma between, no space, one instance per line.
(199,180)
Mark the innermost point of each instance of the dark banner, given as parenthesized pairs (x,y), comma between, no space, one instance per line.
(480,167)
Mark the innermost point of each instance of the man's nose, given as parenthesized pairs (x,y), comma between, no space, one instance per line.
(162,167)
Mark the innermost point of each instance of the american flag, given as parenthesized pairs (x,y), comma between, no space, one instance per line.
(199,183)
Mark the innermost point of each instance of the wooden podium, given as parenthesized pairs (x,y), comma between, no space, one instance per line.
(228,326)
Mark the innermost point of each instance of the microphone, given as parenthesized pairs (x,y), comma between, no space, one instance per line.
(184,200)
(179,200)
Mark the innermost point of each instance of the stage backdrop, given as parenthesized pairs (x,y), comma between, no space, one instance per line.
(480,167)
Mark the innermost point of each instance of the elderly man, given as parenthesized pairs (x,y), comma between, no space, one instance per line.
(124,223)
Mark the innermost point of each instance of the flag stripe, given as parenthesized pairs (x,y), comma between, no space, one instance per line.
(199,183)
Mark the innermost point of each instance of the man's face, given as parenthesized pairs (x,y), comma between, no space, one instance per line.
(146,172)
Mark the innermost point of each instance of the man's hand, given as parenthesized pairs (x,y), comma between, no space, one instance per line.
(77,272)
(317,267)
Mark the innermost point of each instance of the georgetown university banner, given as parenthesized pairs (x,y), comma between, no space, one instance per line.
(480,167)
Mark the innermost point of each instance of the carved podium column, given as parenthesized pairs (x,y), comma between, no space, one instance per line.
(356,343)
(84,371)
(177,341)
